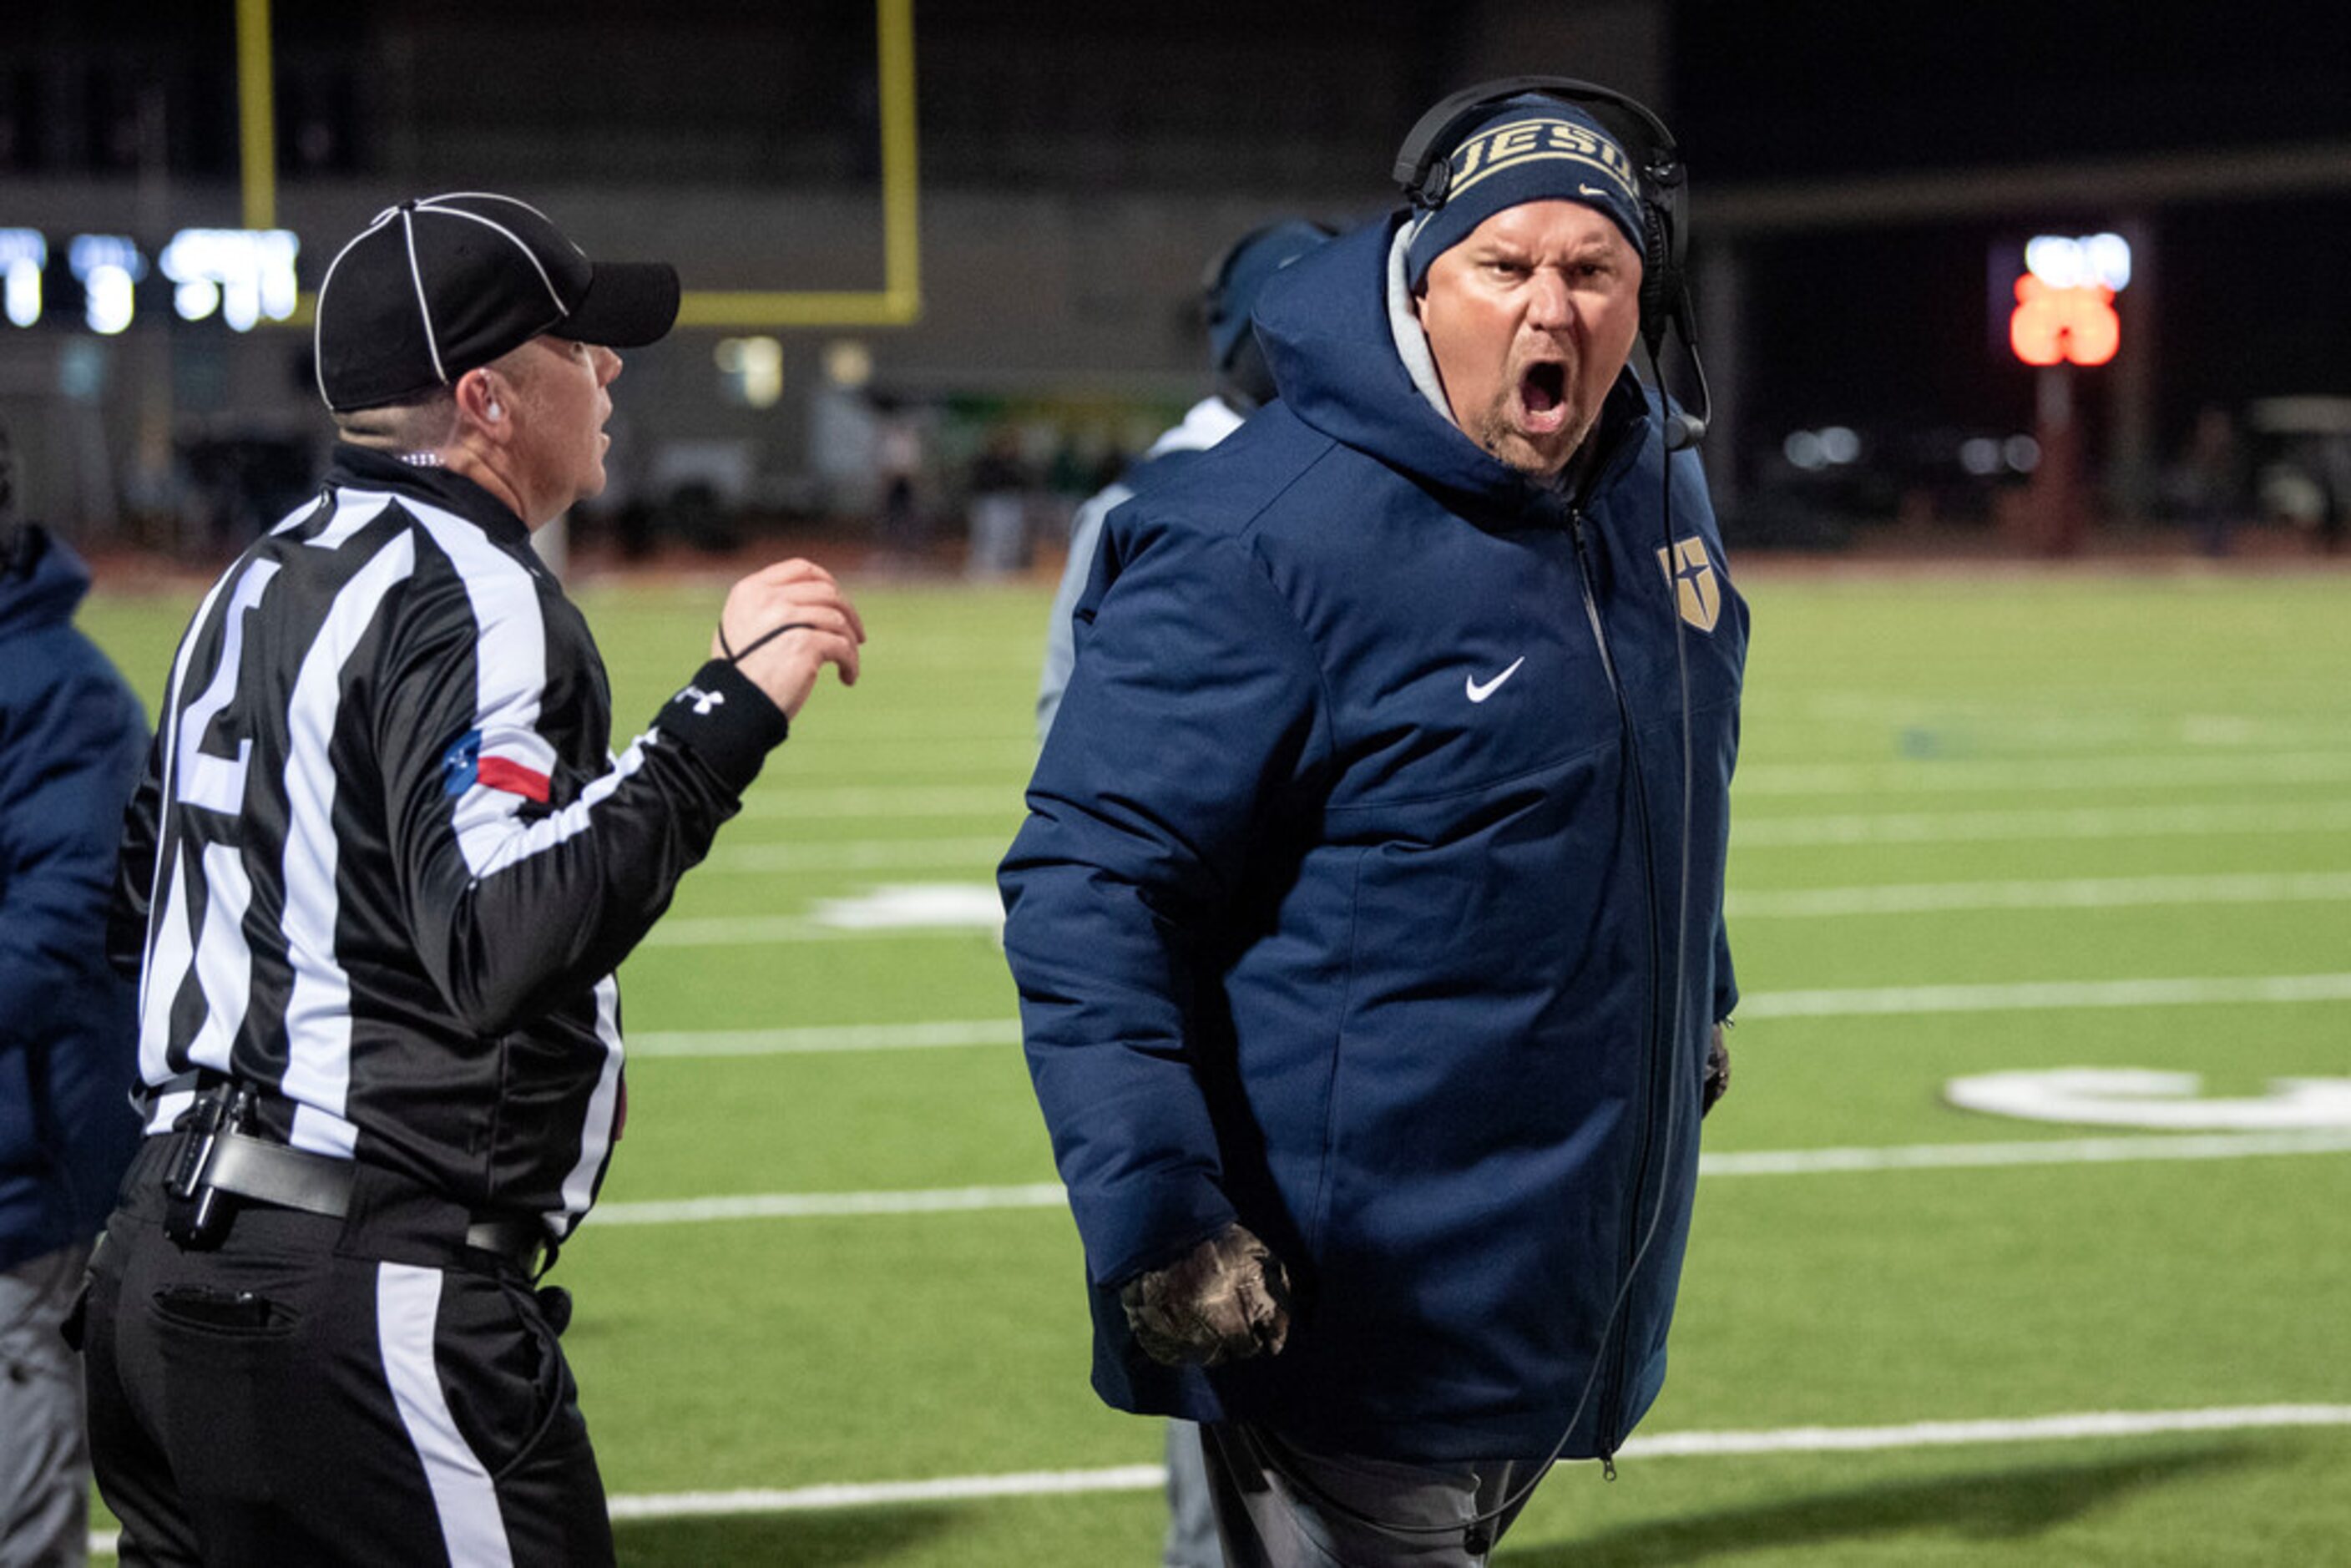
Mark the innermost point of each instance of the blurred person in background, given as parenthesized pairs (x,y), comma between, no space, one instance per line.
(72,736)
(996,506)
(2330,462)
(376,882)
(1369,946)
(1235,278)
(898,468)
(2212,479)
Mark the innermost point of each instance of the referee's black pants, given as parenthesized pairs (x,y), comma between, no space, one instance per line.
(322,1390)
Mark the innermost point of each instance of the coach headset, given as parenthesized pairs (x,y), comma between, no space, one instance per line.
(1422,168)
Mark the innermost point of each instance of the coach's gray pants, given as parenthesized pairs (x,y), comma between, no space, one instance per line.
(1191,1519)
(1278,1507)
(44,1447)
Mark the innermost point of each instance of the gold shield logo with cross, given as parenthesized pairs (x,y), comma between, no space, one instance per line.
(1694,581)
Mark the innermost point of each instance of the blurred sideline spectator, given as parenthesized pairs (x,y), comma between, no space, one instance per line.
(898,466)
(2332,462)
(2211,481)
(1228,293)
(997,507)
(1230,289)
(72,737)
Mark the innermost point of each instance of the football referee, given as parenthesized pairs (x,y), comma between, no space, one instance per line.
(375,885)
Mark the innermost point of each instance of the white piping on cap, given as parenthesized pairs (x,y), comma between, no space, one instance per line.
(424,307)
(493,196)
(516,241)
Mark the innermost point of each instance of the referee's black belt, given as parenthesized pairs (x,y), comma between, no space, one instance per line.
(289,1177)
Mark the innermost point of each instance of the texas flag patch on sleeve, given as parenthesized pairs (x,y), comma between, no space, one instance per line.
(463,767)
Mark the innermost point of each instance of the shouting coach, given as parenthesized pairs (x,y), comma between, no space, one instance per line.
(384,863)
(1366,919)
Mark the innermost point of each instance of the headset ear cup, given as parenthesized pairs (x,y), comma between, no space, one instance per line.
(1657,281)
(1435,185)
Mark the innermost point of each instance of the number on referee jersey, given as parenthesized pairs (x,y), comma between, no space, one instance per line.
(217,783)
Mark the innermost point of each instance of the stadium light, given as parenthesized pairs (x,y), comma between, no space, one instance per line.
(2064,262)
(752,370)
(23,254)
(244,273)
(107,265)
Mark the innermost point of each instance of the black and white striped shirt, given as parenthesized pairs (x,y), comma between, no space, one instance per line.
(385,861)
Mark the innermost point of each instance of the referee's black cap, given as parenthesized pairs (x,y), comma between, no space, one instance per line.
(434,288)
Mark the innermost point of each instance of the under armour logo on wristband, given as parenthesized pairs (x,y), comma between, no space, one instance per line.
(703,701)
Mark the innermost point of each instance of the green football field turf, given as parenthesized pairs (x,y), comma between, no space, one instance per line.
(1988,822)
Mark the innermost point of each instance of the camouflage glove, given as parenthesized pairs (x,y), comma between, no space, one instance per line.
(1718,1074)
(1225,1300)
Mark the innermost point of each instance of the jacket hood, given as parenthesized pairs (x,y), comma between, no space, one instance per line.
(43,586)
(1325,328)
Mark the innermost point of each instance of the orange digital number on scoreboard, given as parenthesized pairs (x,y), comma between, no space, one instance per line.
(2051,325)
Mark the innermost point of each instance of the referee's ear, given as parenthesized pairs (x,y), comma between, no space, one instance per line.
(480,400)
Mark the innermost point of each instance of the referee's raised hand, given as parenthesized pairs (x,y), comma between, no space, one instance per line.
(782,624)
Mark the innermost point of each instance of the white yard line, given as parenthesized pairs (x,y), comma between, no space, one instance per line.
(897,910)
(1868,1001)
(892,800)
(1750,830)
(2090,1425)
(2031,995)
(2052,1152)
(2078,892)
(2158,770)
(863,855)
(871,1494)
(831,1205)
(1948,1434)
(824,1038)
(1755,1162)
(765,930)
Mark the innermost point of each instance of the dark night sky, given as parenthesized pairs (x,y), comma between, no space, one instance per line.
(1773,91)
(2252,298)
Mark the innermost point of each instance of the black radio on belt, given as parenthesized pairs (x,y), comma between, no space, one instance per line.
(193,1212)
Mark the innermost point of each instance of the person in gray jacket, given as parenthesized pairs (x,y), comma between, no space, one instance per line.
(1229,294)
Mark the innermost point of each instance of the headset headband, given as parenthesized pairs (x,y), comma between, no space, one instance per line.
(1422,161)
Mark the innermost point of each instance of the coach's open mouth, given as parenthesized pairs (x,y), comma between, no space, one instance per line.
(1542,395)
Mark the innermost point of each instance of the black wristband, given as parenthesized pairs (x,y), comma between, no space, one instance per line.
(724,717)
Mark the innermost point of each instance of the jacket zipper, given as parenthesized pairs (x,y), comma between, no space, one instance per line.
(1610,1416)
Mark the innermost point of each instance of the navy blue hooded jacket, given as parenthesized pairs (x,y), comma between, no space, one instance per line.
(72,739)
(1347,902)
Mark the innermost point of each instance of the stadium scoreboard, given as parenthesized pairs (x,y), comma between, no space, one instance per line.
(106,282)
